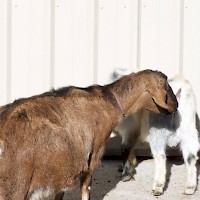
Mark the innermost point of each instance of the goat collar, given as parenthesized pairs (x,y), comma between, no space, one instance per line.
(120,106)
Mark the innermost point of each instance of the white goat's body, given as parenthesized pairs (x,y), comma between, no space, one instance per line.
(162,130)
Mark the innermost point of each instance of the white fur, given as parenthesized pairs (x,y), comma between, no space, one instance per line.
(162,130)
(1,148)
(1,152)
(43,194)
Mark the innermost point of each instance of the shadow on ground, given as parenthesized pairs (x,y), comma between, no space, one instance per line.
(105,179)
(107,185)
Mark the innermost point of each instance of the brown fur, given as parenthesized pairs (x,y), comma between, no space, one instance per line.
(54,139)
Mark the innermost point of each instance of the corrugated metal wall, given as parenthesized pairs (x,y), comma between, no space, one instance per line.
(46,43)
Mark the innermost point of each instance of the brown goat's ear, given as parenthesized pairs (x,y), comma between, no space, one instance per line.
(159,96)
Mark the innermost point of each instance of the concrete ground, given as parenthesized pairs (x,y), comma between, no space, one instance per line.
(107,185)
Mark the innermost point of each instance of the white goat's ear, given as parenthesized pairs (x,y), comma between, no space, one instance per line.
(178,94)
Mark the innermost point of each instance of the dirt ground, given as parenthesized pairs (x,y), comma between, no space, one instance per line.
(107,185)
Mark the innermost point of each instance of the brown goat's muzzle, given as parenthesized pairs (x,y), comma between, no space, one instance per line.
(170,110)
(171,100)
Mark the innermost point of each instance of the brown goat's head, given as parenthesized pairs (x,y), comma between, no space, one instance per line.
(160,97)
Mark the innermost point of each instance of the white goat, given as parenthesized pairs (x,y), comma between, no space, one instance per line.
(160,131)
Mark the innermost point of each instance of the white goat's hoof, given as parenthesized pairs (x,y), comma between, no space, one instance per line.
(158,190)
(189,190)
(157,193)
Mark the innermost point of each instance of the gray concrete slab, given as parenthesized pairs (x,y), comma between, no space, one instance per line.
(107,185)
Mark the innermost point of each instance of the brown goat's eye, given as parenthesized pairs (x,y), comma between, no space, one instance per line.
(166,99)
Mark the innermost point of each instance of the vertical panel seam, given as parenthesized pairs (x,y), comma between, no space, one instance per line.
(9,49)
(181,37)
(95,40)
(52,44)
(139,35)
(131,39)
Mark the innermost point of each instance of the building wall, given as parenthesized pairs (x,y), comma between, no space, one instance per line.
(54,43)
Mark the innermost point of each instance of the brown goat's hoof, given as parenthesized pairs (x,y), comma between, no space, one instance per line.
(120,168)
(127,178)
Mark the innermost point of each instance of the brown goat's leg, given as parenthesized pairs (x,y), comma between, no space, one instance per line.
(86,185)
(59,196)
(129,166)
(129,160)
(132,160)
(125,151)
(86,179)
(132,157)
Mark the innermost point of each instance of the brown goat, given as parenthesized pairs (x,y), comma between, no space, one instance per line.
(50,141)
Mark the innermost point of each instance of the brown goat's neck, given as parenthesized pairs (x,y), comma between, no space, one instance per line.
(128,93)
(120,106)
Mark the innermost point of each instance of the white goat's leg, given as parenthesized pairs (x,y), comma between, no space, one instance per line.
(191,183)
(158,145)
(189,150)
(160,173)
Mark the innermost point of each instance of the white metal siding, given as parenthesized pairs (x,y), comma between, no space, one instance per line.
(54,43)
